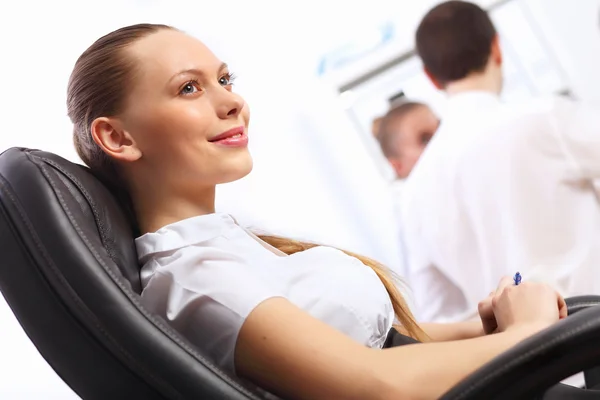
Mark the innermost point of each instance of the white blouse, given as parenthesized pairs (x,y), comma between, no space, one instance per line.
(205,274)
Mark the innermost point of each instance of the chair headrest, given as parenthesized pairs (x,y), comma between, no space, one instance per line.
(86,202)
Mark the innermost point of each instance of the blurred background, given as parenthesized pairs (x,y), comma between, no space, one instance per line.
(316,74)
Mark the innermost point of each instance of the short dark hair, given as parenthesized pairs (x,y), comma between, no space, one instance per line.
(455,39)
(388,138)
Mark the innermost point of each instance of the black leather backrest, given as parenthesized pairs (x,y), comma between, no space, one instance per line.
(96,211)
(69,272)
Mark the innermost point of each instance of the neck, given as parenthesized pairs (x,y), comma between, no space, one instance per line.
(157,208)
(485,81)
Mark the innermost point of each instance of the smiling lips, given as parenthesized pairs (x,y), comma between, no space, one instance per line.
(235,137)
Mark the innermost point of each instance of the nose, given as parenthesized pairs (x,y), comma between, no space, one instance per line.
(229,104)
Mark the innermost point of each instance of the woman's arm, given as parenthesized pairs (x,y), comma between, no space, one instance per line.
(452,331)
(286,351)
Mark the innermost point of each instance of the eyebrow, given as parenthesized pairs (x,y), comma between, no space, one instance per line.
(195,71)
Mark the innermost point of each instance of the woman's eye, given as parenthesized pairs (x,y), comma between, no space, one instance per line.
(189,88)
(226,80)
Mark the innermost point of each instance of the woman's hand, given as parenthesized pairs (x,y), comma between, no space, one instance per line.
(486,313)
(527,303)
(510,305)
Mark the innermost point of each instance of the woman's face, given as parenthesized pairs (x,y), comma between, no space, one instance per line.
(188,127)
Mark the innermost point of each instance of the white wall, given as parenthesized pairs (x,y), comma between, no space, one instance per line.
(573,29)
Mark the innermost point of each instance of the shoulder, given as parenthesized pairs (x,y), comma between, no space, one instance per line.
(520,127)
(206,293)
(548,109)
(184,234)
(517,115)
(542,124)
(204,268)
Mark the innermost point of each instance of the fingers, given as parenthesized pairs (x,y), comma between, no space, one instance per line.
(505,282)
(486,313)
(563,311)
(485,306)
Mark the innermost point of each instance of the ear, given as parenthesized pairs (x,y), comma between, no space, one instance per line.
(375,125)
(496,51)
(433,80)
(398,167)
(113,140)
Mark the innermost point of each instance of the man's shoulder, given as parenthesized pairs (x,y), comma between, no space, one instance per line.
(541,107)
(544,117)
(516,121)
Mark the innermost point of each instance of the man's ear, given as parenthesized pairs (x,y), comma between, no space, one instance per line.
(496,51)
(433,80)
(114,140)
(398,167)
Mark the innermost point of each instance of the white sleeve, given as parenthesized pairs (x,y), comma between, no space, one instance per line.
(438,299)
(417,264)
(577,127)
(207,299)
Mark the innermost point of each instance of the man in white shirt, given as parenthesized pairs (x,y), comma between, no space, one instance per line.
(501,187)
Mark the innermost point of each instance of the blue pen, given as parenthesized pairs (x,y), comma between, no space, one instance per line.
(517,278)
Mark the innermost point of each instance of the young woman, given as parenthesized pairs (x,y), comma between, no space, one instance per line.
(154,113)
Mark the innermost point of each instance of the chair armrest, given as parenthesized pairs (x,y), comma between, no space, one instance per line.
(541,361)
(578,303)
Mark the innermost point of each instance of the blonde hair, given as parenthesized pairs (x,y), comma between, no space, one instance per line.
(98,86)
(401,309)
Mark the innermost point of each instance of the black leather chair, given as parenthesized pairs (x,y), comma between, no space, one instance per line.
(70,274)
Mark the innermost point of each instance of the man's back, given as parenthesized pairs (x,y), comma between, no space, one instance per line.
(503,188)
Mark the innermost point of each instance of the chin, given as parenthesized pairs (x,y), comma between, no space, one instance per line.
(238,170)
